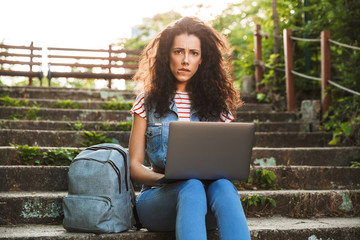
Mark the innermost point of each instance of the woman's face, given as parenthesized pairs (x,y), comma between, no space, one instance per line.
(185,58)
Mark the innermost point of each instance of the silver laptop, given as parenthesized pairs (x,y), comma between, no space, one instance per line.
(209,150)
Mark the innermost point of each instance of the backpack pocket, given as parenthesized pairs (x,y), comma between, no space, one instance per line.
(88,214)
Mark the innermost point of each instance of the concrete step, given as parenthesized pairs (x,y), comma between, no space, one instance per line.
(46,207)
(79,93)
(269,228)
(97,104)
(306,156)
(54,178)
(264,157)
(124,115)
(66,114)
(66,93)
(48,138)
(97,125)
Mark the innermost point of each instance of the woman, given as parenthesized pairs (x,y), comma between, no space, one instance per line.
(185,79)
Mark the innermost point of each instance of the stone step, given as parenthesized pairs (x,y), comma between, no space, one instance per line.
(96,104)
(48,138)
(269,228)
(66,93)
(54,178)
(122,115)
(64,114)
(46,207)
(98,125)
(79,93)
(264,157)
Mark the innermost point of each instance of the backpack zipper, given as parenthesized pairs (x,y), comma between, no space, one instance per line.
(113,164)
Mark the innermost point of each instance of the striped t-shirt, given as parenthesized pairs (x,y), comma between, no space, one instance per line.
(183,104)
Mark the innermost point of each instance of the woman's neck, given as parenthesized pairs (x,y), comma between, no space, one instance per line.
(181,87)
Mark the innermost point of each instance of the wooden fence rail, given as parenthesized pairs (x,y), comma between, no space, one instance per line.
(79,63)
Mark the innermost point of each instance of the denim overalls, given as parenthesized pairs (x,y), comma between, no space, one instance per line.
(183,206)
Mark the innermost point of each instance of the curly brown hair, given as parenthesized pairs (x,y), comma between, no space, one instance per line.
(211,89)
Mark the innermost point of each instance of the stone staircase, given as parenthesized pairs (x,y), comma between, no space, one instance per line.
(317,194)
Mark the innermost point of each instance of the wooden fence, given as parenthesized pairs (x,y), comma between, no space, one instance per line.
(288,41)
(107,64)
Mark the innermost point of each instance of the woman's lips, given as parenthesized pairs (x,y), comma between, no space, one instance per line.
(183,70)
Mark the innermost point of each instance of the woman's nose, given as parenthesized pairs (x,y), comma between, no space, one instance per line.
(185,60)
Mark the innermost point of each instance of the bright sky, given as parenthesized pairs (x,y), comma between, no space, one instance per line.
(84,23)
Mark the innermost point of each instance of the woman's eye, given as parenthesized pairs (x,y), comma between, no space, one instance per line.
(195,53)
(177,52)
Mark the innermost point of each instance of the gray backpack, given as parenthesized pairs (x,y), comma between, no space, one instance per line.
(100,192)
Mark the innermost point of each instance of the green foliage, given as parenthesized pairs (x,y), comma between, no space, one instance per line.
(255,199)
(16,116)
(117,105)
(26,153)
(31,114)
(52,157)
(356,161)
(66,104)
(258,179)
(343,118)
(262,97)
(264,177)
(75,126)
(11,102)
(355,164)
(124,126)
(109,126)
(59,157)
(8,101)
(93,138)
(105,126)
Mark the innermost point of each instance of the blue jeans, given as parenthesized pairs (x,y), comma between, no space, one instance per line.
(183,207)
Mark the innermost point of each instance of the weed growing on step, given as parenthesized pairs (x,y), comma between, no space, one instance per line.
(31,114)
(59,157)
(258,179)
(343,118)
(262,97)
(7,101)
(93,138)
(3,124)
(356,161)
(66,104)
(108,126)
(26,153)
(124,126)
(265,178)
(117,105)
(257,200)
(105,126)
(75,126)
(52,157)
